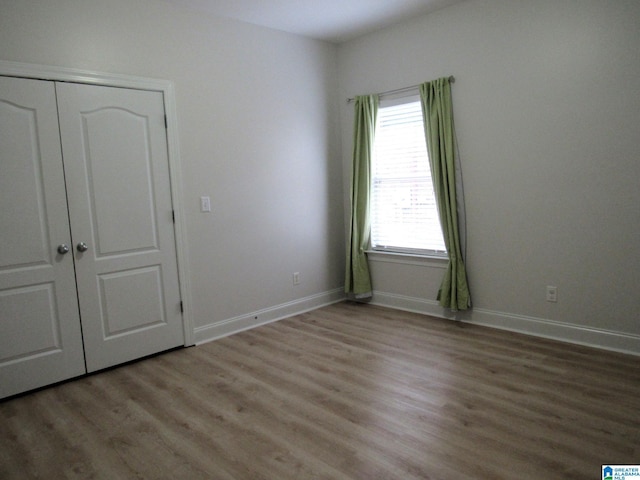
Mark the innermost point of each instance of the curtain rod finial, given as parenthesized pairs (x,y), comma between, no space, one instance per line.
(452,79)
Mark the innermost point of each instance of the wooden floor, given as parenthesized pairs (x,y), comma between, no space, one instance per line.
(345,392)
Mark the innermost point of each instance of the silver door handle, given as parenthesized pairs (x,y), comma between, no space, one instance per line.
(63,248)
(82,247)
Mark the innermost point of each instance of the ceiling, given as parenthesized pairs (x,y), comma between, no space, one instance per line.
(330,20)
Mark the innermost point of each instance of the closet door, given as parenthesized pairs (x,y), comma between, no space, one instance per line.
(115,155)
(40,338)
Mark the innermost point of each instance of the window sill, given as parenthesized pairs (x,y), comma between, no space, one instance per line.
(435,261)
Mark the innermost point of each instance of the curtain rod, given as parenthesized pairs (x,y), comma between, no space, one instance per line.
(399,90)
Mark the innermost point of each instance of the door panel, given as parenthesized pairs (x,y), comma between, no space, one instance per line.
(138,290)
(21,183)
(119,176)
(116,165)
(40,336)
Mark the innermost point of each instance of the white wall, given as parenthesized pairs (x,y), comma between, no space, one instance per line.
(257,131)
(547,109)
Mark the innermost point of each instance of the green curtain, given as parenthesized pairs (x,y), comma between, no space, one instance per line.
(440,135)
(357,276)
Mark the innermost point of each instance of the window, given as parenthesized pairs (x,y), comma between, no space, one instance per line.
(404,215)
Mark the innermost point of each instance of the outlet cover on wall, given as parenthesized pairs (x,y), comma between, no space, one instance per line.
(552,293)
(205,204)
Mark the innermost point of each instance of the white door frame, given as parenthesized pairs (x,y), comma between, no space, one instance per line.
(63,74)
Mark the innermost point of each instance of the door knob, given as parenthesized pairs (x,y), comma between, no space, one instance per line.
(82,247)
(63,248)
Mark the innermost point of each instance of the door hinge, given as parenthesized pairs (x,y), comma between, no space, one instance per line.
(166,123)
(181,307)
(173,216)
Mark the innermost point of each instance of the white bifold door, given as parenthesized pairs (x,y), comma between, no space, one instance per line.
(88,271)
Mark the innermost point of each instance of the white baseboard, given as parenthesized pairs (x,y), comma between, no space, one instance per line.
(540,327)
(267,315)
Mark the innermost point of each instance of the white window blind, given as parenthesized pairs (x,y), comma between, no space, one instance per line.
(404,216)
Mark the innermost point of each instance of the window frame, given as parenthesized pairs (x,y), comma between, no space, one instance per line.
(399,98)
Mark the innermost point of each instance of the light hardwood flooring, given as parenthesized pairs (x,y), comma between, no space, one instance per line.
(344,392)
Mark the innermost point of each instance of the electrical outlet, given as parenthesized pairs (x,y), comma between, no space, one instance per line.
(205,204)
(296,278)
(552,293)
